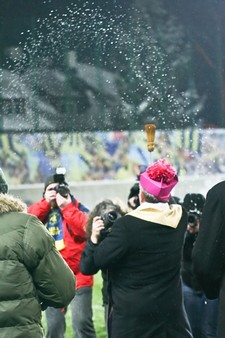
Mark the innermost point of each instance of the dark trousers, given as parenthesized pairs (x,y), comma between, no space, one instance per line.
(202,313)
(81,310)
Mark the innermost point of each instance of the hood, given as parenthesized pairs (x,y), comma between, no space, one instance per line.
(161,213)
(9,203)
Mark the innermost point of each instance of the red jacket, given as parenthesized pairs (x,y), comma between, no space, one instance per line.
(73,234)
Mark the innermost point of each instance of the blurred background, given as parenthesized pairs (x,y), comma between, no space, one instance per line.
(80,79)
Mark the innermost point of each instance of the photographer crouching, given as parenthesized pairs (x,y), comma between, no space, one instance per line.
(201,312)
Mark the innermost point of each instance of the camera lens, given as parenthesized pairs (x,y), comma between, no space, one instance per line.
(191,219)
(62,189)
(109,218)
(112,216)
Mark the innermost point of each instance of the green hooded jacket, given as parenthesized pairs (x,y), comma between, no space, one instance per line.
(33,274)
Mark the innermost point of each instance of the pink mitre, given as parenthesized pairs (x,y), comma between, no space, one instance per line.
(159,179)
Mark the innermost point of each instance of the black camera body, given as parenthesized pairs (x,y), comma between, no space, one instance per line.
(59,177)
(62,189)
(108,219)
(193,217)
(194,204)
(192,220)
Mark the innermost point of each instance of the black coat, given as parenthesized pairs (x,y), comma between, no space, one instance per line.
(144,260)
(209,250)
(88,267)
(187,273)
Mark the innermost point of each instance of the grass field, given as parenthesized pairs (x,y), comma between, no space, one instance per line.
(98,312)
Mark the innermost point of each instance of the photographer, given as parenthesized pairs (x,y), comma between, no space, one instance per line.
(65,218)
(100,219)
(202,312)
(133,197)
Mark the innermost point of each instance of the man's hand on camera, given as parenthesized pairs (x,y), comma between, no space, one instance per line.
(50,193)
(97,226)
(61,201)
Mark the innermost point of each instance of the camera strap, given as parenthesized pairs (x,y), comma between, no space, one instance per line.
(76,239)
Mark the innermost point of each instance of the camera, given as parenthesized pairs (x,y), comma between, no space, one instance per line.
(62,189)
(193,217)
(194,204)
(108,219)
(192,220)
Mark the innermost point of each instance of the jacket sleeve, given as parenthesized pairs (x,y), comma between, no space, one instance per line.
(209,249)
(40,209)
(87,264)
(53,279)
(76,220)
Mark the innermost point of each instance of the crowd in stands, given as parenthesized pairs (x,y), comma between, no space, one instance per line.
(30,158)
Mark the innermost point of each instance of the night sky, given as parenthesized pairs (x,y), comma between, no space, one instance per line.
(203,20)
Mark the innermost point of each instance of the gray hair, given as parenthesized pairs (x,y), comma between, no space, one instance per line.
(148,197)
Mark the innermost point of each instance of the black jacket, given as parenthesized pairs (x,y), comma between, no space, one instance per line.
(88,267)
(209,250)
(143,254)
(187,272)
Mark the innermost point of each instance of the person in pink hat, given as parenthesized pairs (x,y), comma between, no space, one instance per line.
(143,255)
